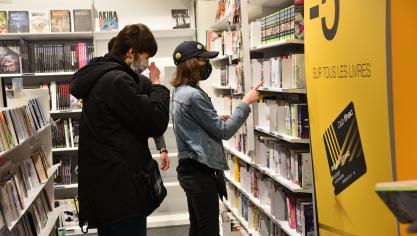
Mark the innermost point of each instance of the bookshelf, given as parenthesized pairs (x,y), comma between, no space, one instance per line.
(283,95)
(39,143)
(46,36)
(158,33)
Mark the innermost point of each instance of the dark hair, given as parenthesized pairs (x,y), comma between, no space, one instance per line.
(187,73)
(136,36)
(111,43)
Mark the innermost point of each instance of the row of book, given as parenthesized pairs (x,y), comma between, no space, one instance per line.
(229,9)
(18,57)
(34,220)
(296,210)
(65,133)
(61,98)
(287,161)
(283,117)
(68,170)
(279,72)
(225,42)
(231,75)
(18,124)
(19,181)
(287,23)
(45,21)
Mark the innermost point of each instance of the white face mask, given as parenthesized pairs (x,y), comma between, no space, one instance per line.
(138,69)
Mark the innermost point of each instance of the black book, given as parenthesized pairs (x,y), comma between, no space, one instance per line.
(18,21)
(82,20)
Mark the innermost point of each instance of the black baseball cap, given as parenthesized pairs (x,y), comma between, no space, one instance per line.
(190,49)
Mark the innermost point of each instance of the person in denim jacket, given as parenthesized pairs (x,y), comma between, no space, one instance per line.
(199,132)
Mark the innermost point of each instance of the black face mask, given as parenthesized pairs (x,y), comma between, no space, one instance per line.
(205,71)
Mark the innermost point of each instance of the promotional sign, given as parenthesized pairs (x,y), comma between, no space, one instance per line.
(347,87)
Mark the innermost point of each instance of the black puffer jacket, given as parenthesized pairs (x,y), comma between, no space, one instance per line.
(124,111)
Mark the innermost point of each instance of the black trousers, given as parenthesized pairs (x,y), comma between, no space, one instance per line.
(135,226)
(201,190)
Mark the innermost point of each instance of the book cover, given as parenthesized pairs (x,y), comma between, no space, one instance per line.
(401,198)
(60,21)
(82,20)
(39,22)
(3,22)
(10,58)
(41,172)
(108,20)
(18,21)
(299,19)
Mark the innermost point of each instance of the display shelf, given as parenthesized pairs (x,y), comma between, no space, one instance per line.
(46,36)
(52,218)
(66,111)
(66,186)
(161,33)
(221,24)
(28,140)
(242,221)
(284,225)
(281,180)
(284,137)
(229,59)
(70,149)
(283,90)
(67,73)
(280,43)
(34,193)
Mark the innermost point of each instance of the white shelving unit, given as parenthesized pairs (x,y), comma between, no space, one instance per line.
(160,33)
(66,111)
(71,149)
(280,43)
(284,137)
(24,150)
(221,87)
(265,209)
(242,220)
(282,90)
(283,181)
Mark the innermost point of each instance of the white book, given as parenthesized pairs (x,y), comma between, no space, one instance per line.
(294,120)
(298,71)
(67,134)
(281,125)
(31,172)
(276,72)
(71,133)
(279,204)
(39,21)
(255,33)
(307,170)
(216,77)
(11,127)
(265,187)
(228,42)
(52,90)
(232,77)
(263,115)
(266,73)
(287,72)
(256,68)
(272,106)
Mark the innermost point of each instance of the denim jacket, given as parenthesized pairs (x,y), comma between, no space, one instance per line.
(199,131)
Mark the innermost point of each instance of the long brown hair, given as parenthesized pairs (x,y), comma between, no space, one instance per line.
(187,73)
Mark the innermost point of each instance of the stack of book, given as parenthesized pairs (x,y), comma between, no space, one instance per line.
(18,124)
(61,98)
(231,76)
(287,23)
(45,21)
(283,117)
(65,133)
(68,170)
(34,220)
(18,182)
(225,42)
(279,72)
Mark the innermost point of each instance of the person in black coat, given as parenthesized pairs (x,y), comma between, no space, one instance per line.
(119,115)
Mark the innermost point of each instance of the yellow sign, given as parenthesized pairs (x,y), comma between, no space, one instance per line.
(346,69)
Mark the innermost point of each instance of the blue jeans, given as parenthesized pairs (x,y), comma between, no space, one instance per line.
(135,226)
